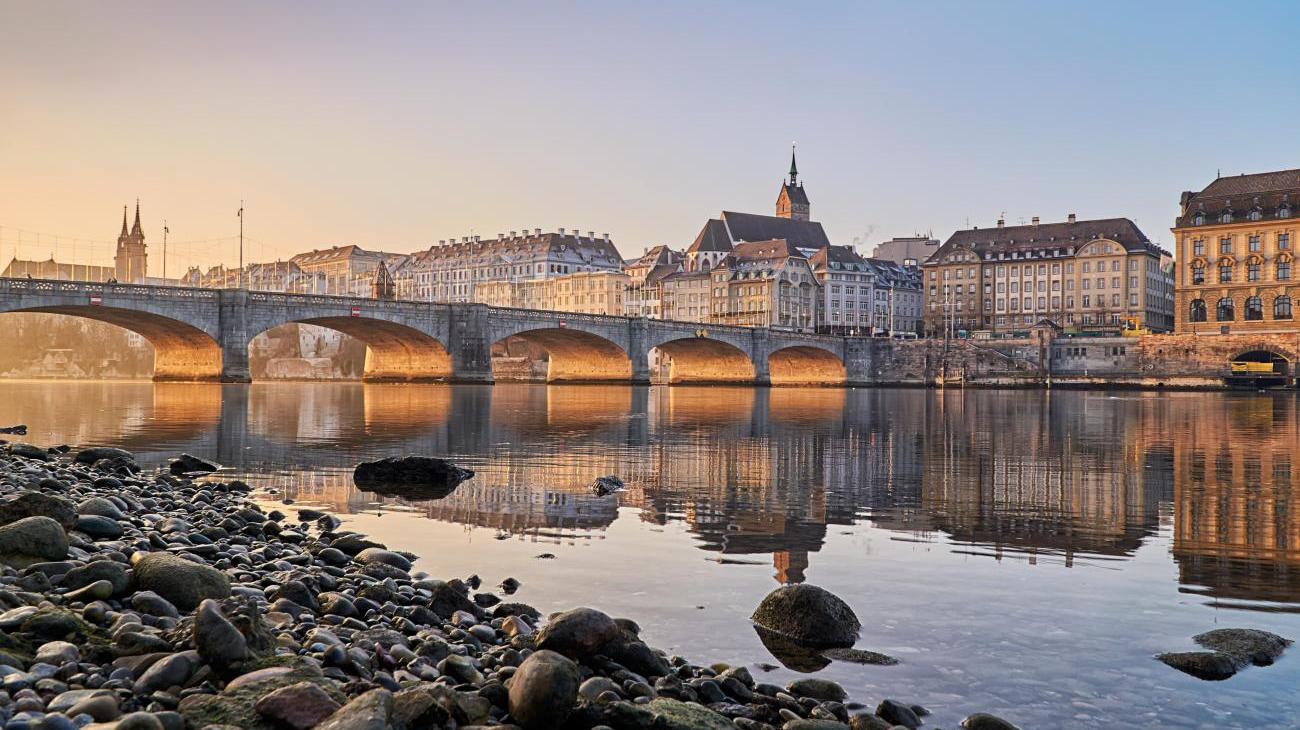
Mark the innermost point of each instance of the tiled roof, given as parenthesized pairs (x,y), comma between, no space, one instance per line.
(712,237)
(1008,239)
(1270,194)
(751,227)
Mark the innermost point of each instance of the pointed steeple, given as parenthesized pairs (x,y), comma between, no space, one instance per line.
(124,221)
(135,229)
(794,169)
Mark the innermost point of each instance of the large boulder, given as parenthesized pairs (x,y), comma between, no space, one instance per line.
(675,715)
(187,464)
(180,581)
(577,634)
(808,614)
(37,504)
(29,451)
(543,690)
(216,639)
(369,711)
(299,706)
(95,571)
(1248,646)
(416,477)
(32,540)
(985,721)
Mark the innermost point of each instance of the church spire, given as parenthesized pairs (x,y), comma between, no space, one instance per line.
(135,229)
(794,169)
(124,221)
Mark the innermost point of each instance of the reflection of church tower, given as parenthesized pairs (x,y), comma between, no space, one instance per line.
(790,565)
(792,202)
(131,260)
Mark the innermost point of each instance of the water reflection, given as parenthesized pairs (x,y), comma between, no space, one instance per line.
(763,473)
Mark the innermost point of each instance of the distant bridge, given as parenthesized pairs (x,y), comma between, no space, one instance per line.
(204,334)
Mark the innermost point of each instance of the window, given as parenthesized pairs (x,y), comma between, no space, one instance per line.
(1087,300)
(1254,309)
(1254,243)
(1252,270)
(1283,241)
(1226,217)
(1282,307)
(1197,313)
(1225,245)
(1199,220)
(1283,269)
(1256,214)
(1198,247)
(1284,211)
(1225,272)
(1224,312)
(1087,267)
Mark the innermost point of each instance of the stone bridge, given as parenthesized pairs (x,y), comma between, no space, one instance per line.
(204,334)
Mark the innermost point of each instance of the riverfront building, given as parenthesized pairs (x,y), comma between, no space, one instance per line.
(847,291)
(130,261)
(452,271)
(1236,241)
(1085,275)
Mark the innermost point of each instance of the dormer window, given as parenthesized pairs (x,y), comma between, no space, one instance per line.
(1256,214)
(1284,211)
(1226,217)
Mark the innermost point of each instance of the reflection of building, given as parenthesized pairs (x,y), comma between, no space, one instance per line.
(1236,528)
(1236,247)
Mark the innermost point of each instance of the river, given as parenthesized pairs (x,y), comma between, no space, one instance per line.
(1024,553)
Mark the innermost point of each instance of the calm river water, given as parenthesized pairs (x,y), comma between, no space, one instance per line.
(1021,552)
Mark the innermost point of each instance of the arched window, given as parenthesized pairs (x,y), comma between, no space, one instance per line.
(1282,307)
(1225,271)
(1225,312)
(1254,309)
(1198,272)
(1197,314)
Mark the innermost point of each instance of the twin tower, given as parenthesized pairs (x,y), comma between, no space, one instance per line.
(131,261)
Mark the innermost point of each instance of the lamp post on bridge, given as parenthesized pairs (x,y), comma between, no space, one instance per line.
(241,244)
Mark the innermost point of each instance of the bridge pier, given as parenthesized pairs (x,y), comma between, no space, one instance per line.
(232,318)
(638,335)
(470,344)
(860,360)
(761,348)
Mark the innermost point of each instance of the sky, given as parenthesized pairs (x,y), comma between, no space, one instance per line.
(393,125)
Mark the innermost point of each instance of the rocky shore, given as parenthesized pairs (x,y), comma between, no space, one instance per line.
(155,600)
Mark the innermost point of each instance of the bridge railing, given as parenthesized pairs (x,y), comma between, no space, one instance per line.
(59,286)
(288,299)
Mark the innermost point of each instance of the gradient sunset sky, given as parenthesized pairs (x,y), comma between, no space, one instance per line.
(392,125)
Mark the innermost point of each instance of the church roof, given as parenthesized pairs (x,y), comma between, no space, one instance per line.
(752,227)
(712,237)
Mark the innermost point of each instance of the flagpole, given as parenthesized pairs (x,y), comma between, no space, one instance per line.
(164,276)
(241,244)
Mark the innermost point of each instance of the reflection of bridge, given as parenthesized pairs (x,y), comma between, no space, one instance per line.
(202,334)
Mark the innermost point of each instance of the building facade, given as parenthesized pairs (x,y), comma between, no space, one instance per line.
(906,250)
(1085,275)
(130,261)
(765,284)
(343,270)
(590,292)
(452,270)
(1236,243)
(897,302)
(847,291)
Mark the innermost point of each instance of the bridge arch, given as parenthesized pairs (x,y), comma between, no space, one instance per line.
(805,365)
(395,351)
(1282,361)
(573,355)
(182,351)
(706,360)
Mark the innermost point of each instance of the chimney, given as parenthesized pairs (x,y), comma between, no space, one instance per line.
(1002,223)
(605,235)
(561,231)
(1034,220)
(513,233)
(591,235)
(501,236)
(537,231)
(1070,218)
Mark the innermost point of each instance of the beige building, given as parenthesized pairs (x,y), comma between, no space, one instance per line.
(1085,275)
(765,284)
(342,270)
(644,296)
(590,292)
(686,296)
(1236,250)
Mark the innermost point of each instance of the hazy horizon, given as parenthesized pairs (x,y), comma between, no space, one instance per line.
(392,126)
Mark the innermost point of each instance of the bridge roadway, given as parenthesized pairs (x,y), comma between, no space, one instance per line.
(204,334)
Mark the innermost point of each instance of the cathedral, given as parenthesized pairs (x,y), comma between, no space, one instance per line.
(131,261)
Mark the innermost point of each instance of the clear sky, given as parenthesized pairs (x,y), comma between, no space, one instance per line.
(392,125)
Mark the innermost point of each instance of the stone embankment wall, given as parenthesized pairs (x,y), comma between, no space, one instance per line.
(1150,361)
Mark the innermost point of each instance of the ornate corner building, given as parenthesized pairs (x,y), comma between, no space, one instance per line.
(1236,254)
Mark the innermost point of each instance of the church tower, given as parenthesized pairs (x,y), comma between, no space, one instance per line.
(131,261)
(792,202)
